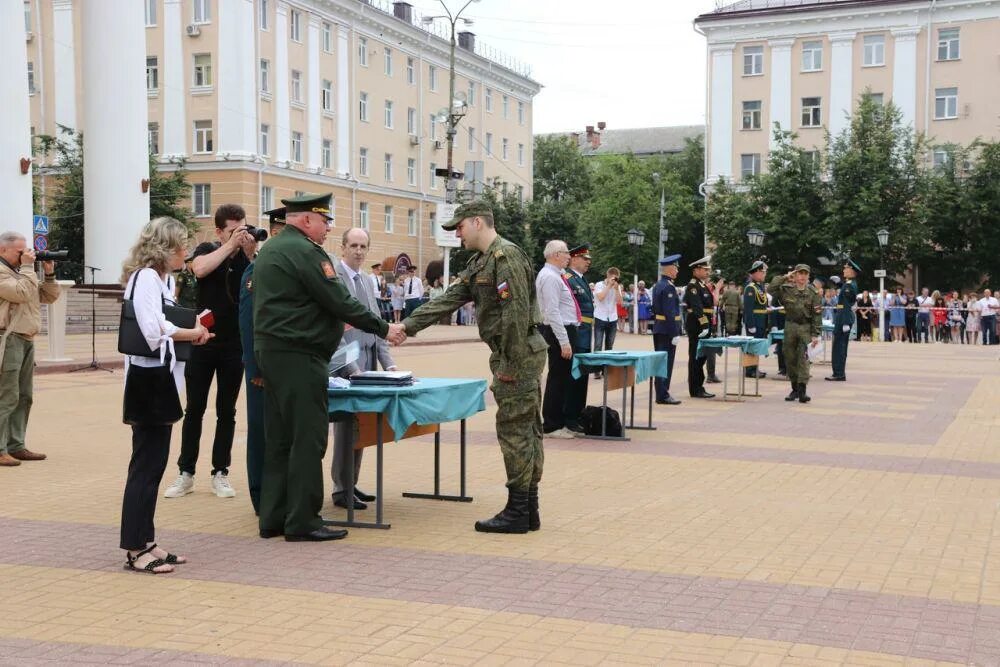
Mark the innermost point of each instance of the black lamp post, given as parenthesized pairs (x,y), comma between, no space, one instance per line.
(636,237)
(883,240)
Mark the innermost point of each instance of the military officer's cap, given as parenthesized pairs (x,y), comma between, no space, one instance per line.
(467,210)
(582,250)
(757,266)
(851,263)
(801,267)
(276,216)
(835,280)
(671,260)
(699,263)
(309,203)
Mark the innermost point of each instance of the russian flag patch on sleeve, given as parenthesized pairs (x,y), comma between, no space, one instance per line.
(503,290)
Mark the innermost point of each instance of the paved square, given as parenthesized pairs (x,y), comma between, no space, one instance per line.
(861,528)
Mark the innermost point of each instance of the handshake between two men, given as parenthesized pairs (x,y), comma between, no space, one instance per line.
(397,334)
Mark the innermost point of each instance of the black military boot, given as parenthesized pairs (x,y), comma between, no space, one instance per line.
(534,519)
(803,398)
(795,392)
(512,519)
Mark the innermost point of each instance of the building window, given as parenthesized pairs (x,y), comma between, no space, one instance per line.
(520,113)
(750,164)
(753,60)
(471,98)
(432,78)
(411,171)
(411,222)
(433,128)
(411,74)
(472,139)
(811,112)
(266,199)
(202,11)
(326,96)
(363,51)
(265,76)
(812,56)
(489,143)
(945,103)
(363,161)
(201,198)
(433,175)
(153,130)
(940,158)
(363,215)
(296,86)
(327,154)
(751,115)
(388,114)
(327,37)
(148,5)
(263,18)
(877,98)
(203,136)
(31,78)
(152,74)
(948,44)
(265,139)
(202,70)
(363,107)
(488,97)
(388,61)
(411,121)
(874,50)
(388,219)
(520,155)
(503,148)
(297,147)
(387,169)
(295,25)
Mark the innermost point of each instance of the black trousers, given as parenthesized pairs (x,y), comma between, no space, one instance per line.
(661,343)
(150,451)
(225,363)
(911,328)
(696,366)
(557,381)
(576,390)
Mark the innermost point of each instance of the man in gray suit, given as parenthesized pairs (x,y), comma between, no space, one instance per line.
(374,352)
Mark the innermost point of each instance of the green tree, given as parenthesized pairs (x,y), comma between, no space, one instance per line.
(983,206)
(561,187)
(510,217)
(728,217)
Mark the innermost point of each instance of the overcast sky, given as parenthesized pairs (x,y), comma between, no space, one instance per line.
(631,63)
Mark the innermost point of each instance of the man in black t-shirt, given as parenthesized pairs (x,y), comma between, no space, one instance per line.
(219,268)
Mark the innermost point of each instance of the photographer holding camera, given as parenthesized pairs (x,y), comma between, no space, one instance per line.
(20,319)
(219,267)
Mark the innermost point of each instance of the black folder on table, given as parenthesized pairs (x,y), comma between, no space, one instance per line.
(382,378)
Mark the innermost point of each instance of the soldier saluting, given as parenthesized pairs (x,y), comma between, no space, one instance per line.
(803,323)
(699,303)
(755,308)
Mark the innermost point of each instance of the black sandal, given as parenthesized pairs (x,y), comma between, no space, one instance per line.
(150,567)
(171,559)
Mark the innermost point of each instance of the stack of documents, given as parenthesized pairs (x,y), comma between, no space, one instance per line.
(382,379)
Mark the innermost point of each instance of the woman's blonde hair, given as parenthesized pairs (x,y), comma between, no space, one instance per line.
(159,239)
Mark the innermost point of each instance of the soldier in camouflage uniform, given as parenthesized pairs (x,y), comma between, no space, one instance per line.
(803,324)
(187,285)
(500,281)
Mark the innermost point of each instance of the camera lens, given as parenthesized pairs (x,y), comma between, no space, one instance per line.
(257,233)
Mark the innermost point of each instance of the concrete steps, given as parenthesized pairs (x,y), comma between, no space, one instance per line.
(107,307)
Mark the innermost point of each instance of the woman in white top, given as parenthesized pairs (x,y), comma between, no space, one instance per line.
(159,251)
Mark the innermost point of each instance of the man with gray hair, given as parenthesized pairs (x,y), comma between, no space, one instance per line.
(20,319)
(560,326)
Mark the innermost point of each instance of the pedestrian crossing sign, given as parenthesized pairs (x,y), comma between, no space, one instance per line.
(40,224)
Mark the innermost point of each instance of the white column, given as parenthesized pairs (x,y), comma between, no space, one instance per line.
(720,113)
(115,154)
(174,131)
(15,121)
(344,101)
(314,139)
(282,117)
(235,82)
(64,63)
(57,323)
(781,86)
(841,81)
(904,73)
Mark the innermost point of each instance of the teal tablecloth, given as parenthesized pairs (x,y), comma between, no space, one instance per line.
(646,364)
(758,346)
(780,333)
(426,401)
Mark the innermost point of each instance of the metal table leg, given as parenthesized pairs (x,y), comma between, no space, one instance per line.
(631,419)
(349,491)
(437,495)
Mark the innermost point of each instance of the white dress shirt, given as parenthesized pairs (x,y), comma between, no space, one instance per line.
(150,293)
(555,301)
(989,306)
(413,288)
(607,308)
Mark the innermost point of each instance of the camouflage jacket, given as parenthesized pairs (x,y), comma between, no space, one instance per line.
(802,306)
(187,289)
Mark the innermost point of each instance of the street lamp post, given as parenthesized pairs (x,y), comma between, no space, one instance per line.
(636,238)
(883,241)
(662,245)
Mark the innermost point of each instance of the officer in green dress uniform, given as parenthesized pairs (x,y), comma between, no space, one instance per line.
(300,307)
(500,281)
(843,318)
(699,303)
(255,383)
(803,324)
(576,396)
(755,308)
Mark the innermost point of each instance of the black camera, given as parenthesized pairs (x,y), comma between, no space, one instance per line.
(51,255)
(259,235)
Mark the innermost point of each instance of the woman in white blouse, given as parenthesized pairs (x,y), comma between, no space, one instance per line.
(159,251)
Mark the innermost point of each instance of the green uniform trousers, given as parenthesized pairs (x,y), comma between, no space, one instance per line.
(519,425)
(797,338)
(16,375)
(295,436)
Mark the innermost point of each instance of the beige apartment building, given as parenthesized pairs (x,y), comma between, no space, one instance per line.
(804,65)
(268,98)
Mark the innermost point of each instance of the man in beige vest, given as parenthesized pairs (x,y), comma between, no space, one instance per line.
(20,320)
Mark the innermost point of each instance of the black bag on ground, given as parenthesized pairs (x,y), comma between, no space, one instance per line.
(590,420)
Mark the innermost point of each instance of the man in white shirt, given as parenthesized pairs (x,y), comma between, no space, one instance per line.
(560,321)
(413,291)
(607,294)
(988,317)
(924,305)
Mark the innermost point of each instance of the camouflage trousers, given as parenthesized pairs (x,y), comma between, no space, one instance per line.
(797,338)
(519,425)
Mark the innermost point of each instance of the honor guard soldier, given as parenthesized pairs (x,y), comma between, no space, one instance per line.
(803,324)
(698,303)
(843,319)
(576,396)
(666,324)
(755,308)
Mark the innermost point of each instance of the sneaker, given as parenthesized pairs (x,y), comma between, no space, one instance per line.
(183,485)
(221,487)
(563,433)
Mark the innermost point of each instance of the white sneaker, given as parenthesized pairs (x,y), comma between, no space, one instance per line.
(183,485)
(563,433)
(221,487)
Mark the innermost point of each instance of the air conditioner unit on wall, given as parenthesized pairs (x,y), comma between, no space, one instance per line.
(438,144)
(193,30)
(28,36)
(414,140)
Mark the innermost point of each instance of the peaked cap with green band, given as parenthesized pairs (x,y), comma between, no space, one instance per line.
(310,203)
